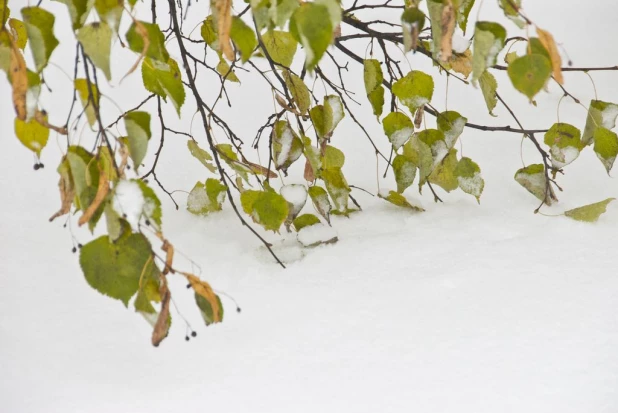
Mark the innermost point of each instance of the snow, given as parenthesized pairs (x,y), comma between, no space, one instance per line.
(295,194)
(471,185)
(450,136)
(563,156)
(401,136)
(317,234)
(608,116)
(286,140)
(460,44)
(463,308)
(129,202)
(493,53)
(337,108)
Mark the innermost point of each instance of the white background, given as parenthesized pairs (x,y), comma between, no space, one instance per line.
(463,308)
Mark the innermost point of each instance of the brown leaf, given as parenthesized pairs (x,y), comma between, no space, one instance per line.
(19,80)
(556,62)
(462,63)
(41,117)
(102,191)
(448,28)
(259,169)
(162,325)
(224,24)
(123,150)
(140,29)
(67,194)
(418,117)
(337,32)
(204,289)
(309,174)
(169,258)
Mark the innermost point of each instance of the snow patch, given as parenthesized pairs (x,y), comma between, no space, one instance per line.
(129,202)
(452,134)
(460,44)
(493,53)
(398,138)
(471,185)
(286,140)
(609,115)
(337,109)
(197,200)
(561,157)
(317,234)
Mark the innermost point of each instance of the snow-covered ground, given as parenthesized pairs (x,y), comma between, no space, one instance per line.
(462,308)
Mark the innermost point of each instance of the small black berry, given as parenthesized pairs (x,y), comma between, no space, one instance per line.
(238,310)
(193,334)
(74,250)
(79,246)
(36,166)
(187,338)
(41,166)
(148,222)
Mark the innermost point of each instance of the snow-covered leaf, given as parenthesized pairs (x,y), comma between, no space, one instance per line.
(305,220)
(564,143)
(452,124)
(600,114)
(319,198)
(489,38)
(267,208)
(206,198)
(287,146)
(398,127)
(444,173)
(396,198)
(317,234)
(532,177)
(606,146)
(337,187)
(405,172)
(469,177)
(414,90)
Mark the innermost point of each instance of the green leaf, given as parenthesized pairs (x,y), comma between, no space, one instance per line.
(305,220)
(405,172)
(84,88)
(156,47)
(373,85)
(334,10)
(85,175)
(337,187)
(319,198)
(532,177)
(201,155)
(206,198)
(414,90)
(152,205)
(489,38)
(436,141)
(110,11)
(311,26)
(564,143)
(224,69)
(435,8)
(322,119)
(226,152)
(463,12)
(96,39)
(488,84)
(5,12)
(529,73)
(138,129)
(333,158)
(469,178)
(589,213)
(266,208)
(606,147)
(452,124)
(510,8)
(164,80)
(600,114)
(287,146)
(281,47)
(206,309)
(299,91)
(32,134)
(399,200)
(444,173)
(420,154)
(209,33)
(243,37)
(40,27)
(412,22)
(398,128)
(114,269)
(281,10)
(312,155)
(115,225)
(333,105)
(78,10)
(18,29)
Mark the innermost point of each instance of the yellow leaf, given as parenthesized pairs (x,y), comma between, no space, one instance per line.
(462,63)
(556,62)
(19,81)
(204,289)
